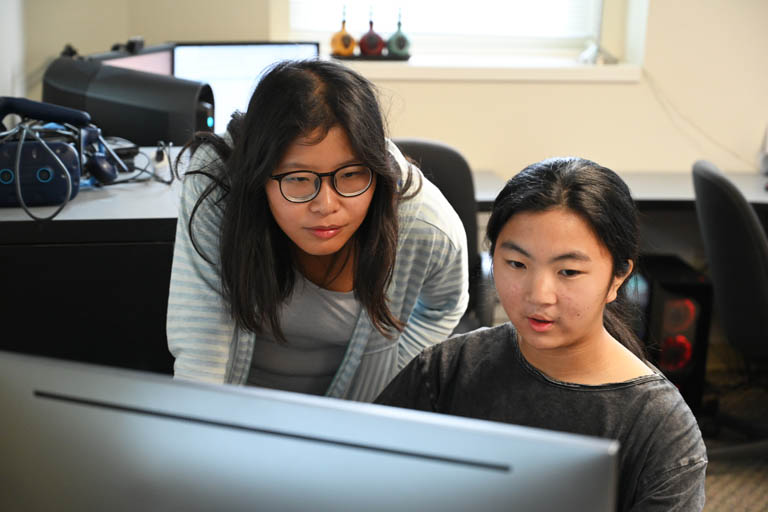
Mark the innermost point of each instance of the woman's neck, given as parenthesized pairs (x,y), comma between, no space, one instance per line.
(599,360)
(333,272)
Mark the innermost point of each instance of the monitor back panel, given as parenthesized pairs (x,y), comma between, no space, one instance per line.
(83,437)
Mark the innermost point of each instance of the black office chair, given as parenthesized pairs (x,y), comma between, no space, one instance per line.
(448,170)
(736,247)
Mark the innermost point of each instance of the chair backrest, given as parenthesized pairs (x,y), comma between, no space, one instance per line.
(449,171)
(737,250)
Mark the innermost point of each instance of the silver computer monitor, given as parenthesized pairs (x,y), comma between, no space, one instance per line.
(233,69)
(83,437)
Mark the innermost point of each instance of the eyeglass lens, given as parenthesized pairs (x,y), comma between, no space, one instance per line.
(304,185)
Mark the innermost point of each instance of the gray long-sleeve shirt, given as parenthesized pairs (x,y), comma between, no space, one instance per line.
(428,292)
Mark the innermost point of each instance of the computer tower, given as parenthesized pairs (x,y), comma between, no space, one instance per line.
(144,108)
(677,313)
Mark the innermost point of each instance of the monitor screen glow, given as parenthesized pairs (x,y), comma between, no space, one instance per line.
(158,62)
(233,69)
(153,59)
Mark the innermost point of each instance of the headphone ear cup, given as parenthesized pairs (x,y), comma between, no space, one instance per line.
(99,167)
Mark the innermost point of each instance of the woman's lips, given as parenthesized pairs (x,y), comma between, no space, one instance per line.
(325,232)
(540,324)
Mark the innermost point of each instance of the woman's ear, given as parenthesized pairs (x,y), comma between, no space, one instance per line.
(617,281)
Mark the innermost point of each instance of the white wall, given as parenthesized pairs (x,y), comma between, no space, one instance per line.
(11,49)
(706,57)
(93,26)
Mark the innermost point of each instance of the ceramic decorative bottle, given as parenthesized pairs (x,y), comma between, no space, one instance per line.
(371,43)
(399,45)
(342,42)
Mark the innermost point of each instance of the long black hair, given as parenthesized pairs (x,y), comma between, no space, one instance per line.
(602,199)
(298,99)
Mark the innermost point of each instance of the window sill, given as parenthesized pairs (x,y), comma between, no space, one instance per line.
(494,69)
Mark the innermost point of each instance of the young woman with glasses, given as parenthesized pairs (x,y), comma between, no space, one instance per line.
(310,255)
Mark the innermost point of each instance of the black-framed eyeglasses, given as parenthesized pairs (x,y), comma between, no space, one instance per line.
(302,186)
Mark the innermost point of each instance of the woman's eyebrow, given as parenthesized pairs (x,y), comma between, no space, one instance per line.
(305,167)
(571,255)
(514,247)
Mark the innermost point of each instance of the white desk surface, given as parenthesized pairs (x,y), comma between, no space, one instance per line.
(677,186)
(155,200)
(645,186)
(148,200)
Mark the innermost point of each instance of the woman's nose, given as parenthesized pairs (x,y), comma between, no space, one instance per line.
(327,200)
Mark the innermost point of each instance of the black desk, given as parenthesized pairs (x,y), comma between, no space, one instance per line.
(668,222)
(91,285)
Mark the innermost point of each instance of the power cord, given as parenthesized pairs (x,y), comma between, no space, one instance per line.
(149,171)
(163,154)
(674,113)
(140,173)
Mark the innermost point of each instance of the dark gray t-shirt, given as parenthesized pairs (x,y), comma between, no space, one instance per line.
(483,374)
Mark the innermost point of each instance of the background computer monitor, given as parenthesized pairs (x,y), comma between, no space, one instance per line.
(152,59)
(82,437)
(233,69)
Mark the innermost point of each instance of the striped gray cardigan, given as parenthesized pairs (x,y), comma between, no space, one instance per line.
(428,291)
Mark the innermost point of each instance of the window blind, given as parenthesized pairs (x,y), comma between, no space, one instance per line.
(445,27)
